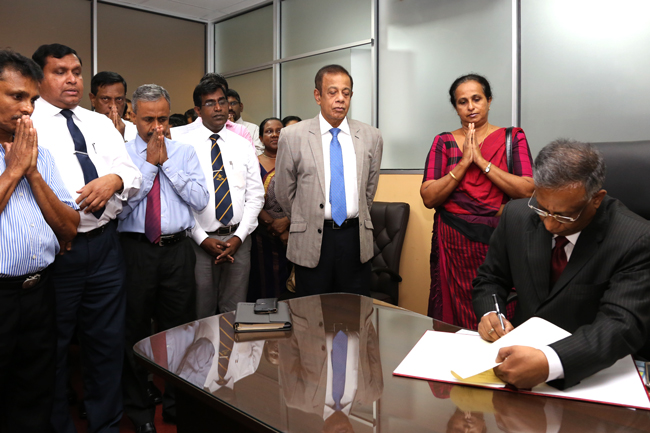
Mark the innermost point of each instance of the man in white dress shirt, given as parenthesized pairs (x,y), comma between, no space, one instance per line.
(235,108)
(89,278)
(108,97)
(222,229)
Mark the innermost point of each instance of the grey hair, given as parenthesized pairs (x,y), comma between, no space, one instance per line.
(566,163)
(149,93)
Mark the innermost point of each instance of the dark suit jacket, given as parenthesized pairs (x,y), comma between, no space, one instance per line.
(602,297)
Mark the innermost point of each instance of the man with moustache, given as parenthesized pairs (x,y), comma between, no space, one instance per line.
(235,108)
(327,173)
(89,278)
(231,126)
(153,230)
(108,97)
(222,229)
(34,205)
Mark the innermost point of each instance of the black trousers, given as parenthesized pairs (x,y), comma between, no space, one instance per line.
(27,356)
(160,285)
(89,289)
(339,268)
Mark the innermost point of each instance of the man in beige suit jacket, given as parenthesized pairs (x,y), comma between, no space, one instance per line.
(324,158)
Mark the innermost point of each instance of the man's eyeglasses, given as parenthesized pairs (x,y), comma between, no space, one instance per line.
(559,218)
(212,103)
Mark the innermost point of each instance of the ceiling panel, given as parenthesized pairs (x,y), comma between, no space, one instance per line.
(201,10)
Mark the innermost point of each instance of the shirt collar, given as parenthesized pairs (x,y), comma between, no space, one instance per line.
(50,110)
(205,132)
(140,145)
(325,126)
(571,238)
(240,120)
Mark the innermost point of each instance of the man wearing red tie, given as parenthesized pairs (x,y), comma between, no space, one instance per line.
(154,227)
(575,257)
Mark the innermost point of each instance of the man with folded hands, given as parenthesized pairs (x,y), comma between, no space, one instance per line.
(36,213)
(575,257)
(154,226)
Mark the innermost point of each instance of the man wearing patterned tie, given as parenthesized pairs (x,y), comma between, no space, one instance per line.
(89,278)
(327,174)
(222,229)
(577,258)
(153,228)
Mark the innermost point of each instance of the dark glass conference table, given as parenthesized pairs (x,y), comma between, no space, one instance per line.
(283,382)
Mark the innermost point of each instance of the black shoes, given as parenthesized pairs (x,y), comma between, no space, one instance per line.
(146,428)
(169,417)
(154,393)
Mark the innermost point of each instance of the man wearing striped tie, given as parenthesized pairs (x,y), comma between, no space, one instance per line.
(222,229)
(36,212)
(327,174)
(153,231)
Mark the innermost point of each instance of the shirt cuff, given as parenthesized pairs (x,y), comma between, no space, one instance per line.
(555,369)
(198,234)
(494,313)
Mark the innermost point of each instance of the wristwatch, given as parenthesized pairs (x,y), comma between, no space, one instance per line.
(487,169)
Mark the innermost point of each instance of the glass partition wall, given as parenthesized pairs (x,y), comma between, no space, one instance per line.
(289,41)
(558,69)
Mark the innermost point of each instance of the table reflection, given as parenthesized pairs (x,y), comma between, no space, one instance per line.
(308,360)
(521,413)
(288,381)
(191,349)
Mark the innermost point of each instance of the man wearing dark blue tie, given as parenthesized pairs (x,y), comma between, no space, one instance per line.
(327,174)
(89,278)
(153,228)
(222,229)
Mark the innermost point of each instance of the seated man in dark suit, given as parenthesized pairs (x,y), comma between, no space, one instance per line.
(577,258)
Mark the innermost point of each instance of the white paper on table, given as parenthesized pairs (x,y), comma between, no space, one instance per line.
(535,332)
(438,353)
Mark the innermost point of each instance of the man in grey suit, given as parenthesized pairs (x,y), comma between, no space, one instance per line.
(577,258)
(327,173)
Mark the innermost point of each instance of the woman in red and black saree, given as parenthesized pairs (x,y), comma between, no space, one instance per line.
(466,180)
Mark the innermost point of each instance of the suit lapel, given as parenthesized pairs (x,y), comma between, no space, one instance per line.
(584,250)
(316,145)
(355,132)
(539,258)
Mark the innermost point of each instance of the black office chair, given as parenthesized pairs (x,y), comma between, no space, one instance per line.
(389,221)
(628,165)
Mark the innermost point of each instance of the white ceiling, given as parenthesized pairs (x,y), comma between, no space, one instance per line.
(201,10)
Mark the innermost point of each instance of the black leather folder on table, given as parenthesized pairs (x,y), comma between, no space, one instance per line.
(247,321)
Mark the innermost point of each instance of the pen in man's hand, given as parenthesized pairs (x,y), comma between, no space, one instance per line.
(496,306)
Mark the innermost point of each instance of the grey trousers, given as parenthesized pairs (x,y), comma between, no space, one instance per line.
(220,287)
